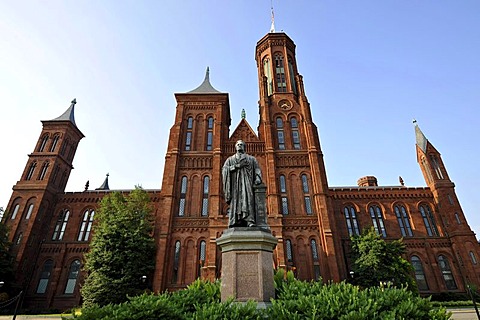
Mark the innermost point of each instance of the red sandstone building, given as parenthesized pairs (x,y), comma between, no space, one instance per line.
(51,228)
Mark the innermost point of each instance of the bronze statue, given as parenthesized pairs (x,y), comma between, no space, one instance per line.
(240,173)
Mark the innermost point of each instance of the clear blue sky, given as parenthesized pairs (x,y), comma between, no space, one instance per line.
(369,68)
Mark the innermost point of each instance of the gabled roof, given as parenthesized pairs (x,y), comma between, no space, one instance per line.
(205,86)
(243,131)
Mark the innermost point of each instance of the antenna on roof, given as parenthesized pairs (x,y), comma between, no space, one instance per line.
(272,27)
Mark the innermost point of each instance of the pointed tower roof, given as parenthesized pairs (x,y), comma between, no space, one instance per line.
(206,86)
(69,114)
(104,185)
(420,137)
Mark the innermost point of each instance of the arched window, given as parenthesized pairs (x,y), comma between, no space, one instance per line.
(429,220)
(55,174)
(65,145)
(268,73)
(292,75)
(54,142)
(176,262)
(209,133)
(457,217)
(306,195)
(31,170)
(19,238)
(295,133)
(45,276)
(436,166)
(86,226)
(183,195)
(15,211)
(351,219)
(44,170)
(426,168)
(280,73)
(419,274)
(29,211)
(283,192)
(61,225)
(403,221)
(377,220)
(447,273)
(289,251)
(280,134)
(188,137)
(206,188)
(202,254)
(72,277)
(43,143)
(316,266)
(472,257)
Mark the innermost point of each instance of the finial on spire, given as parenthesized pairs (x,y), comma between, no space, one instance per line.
(414,121)
(74,101)
(244,114)
(207,74)
(272,27)
(400,179)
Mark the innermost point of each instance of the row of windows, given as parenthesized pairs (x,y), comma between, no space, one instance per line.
(403,220)
(73,272)
(183,196)
(313,251)
(294,132)
(208,138)
(444,268)
(56,137)
(202,253)
(85,227)
(43,172)
(306,194)
(280,77)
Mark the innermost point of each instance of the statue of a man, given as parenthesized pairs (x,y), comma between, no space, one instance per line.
(240,172)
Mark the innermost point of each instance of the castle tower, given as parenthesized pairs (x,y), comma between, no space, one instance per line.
(30,209)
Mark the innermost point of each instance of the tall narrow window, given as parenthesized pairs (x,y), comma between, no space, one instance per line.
(44,277)
(43,143)
(44,170)
(295,134)
(188,137)
(426,167)
(86,226)
(447,273)
(65,145)
(61,225)
(280,73)
(72,277)
(206,188)
(316,266)
(31,170)
(15,211)
(419,274)
(429,220)
(29,211)
(306,195)
(210,133)
(183,195)
(268,73)
(176,262)
(292,75)
(55,174)
(289,250)
(54,142)
(472,257)
(283,192)
(351,219)
(377,220)
(457,217)
(280,134)
(436,166)
(403,221)
(71,151)
(19,238)
(202,253)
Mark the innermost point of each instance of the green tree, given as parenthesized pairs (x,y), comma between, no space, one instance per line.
(6,268)
(122,250)
(377,261)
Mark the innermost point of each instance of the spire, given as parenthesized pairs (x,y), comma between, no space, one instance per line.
(104,185)
(420,137)
(206,86)
(272,27)
(244,114)
(68,115)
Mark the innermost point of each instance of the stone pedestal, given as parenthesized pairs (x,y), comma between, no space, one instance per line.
(247,264)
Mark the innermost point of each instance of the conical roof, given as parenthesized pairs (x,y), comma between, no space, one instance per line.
(104,185)
(205,86)
(69,114)
(420,137)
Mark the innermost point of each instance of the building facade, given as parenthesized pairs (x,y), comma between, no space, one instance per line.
(51,228)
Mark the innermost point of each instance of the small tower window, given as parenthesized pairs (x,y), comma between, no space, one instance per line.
(176,262)
(210,134)
(295,134)
(45,277)
(436,166)
(306,195)
(280,134)
(29,211)
(429,220)
(61,225)
(31,170)
(44,171)
(280,73)
(283,191)
(268,73)
(403,221)
(202,253)
(377,220)
(206,187)
(183,195)
(15,211)
(188,137)
(72,277)
(86,226)
(292,75)
(457,217)
(65,145)
(55,174)
(447,273)
(43,143)
(419,274)
(54,143)
(351,219)
(426,167)
(472,257)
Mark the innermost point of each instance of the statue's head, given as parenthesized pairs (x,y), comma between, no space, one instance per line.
(240,146)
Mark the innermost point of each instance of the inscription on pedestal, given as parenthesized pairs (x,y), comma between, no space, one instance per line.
(248,285)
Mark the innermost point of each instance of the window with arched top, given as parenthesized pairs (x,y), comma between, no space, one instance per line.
(202,254)
(189,133)
(31,170)
(176,262)
(447,273)
(209,133)
(267,71)
(29,211)
(61,225)
(351,220)
(65,145)
(295,133)
(473,257)
(316,266)
(289,250)
(283,194)
(292,75)
(306,195)
(206,188)
(73,272)
(86,226)
(419,274)
(426,168)
(436,166)
(54,142)
(15,211)
(377,220)
(280,73)
(183,196)
(44,171)
(280,134)
(55,174)
(43,143)
(429,220)
(403,221)
(44,277)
